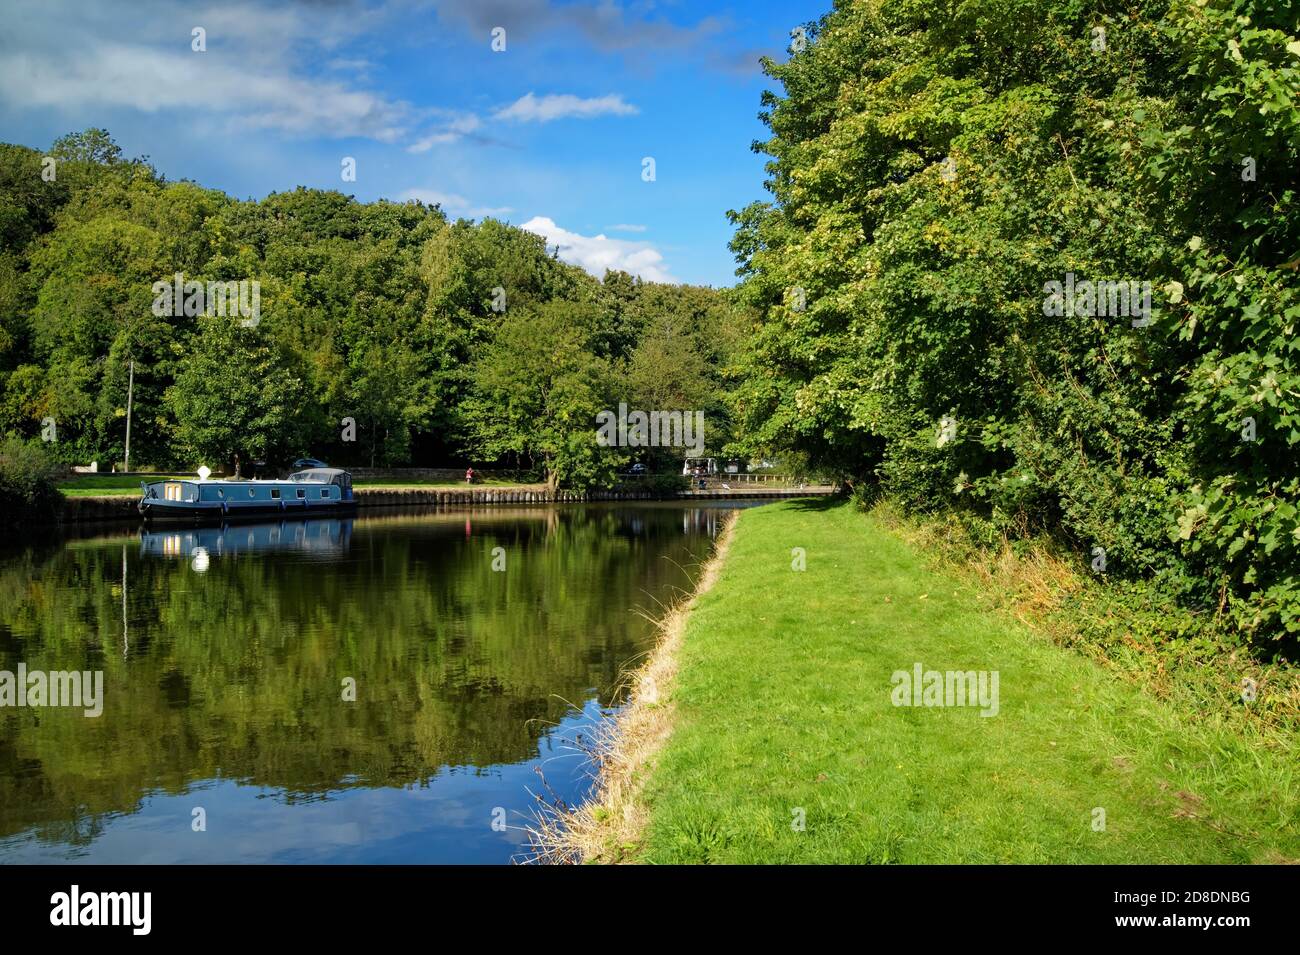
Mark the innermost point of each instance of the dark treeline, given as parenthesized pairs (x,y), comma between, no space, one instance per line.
(936,168)
(445,342)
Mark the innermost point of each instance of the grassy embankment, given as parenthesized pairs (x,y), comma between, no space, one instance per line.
(780,710)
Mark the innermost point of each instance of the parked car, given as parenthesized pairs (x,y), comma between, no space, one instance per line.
(637,470)
(302,463)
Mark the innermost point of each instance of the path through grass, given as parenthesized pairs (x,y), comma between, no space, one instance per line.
(784,712)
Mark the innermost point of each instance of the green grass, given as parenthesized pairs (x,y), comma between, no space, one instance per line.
(107,485)
(111,485)
(784,702)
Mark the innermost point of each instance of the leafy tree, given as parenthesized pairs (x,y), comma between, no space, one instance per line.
(378,312)
(88,146)
(237,397)
(537,389)
(28,201)
(933,170)
(384,399)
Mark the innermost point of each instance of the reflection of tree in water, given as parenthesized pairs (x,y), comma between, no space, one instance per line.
(236,672)
(81,830)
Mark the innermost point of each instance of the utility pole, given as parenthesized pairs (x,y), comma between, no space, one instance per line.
(125,643)
(130,389)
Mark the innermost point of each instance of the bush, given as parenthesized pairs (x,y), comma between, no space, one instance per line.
(26,482)
(657,483)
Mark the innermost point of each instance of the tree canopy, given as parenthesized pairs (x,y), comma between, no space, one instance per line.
(443,342)
(934,167)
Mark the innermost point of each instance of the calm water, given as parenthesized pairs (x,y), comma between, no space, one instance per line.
(226,653)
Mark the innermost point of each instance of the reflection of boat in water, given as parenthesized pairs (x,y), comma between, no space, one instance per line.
(317,536)
(312,491)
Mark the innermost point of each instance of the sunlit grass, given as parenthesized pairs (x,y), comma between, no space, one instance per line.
(109,485)
(783,705)
(116,486)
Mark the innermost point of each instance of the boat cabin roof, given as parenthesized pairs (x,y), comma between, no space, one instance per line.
(308,476)
(317,475)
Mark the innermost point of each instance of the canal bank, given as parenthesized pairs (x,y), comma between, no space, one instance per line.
(612,820)
(88,509)
(781,730)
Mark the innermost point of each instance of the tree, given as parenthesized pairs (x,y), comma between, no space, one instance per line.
(237,396)
(537,389)
(89,146)
(933,175)
(384,399)
(379,312)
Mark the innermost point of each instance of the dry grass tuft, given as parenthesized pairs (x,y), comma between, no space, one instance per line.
(607,828)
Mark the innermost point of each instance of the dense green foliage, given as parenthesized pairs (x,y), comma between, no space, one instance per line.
(935,165)
(26,482)
(432,336)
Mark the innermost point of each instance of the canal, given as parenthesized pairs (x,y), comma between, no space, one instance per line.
(395,688)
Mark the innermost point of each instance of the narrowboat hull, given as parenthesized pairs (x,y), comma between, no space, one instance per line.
(157,512)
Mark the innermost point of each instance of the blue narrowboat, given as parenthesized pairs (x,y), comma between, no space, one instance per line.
(314,491)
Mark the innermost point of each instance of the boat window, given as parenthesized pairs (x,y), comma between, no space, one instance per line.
(251,490)
(302,493)
(275,494)
(172,492)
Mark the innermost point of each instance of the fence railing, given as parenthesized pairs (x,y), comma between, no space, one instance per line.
(717,480)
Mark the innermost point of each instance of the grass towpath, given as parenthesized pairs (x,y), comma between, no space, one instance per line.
(783,708)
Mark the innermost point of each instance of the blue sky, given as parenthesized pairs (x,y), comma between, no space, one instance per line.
(549,134)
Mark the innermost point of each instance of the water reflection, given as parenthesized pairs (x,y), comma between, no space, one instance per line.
(328,536)
(226,653)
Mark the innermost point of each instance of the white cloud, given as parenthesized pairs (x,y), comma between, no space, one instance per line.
(533,109)
(598,253)
(116,75)
(255,73)
(452,204)
(450,131)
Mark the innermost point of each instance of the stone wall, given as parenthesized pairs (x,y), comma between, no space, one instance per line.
(91,509)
